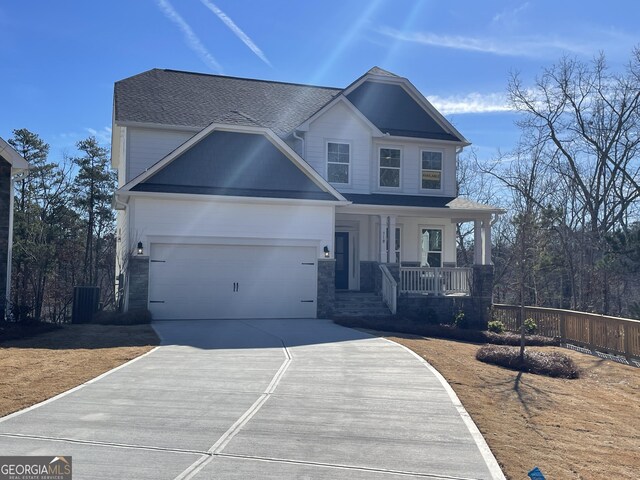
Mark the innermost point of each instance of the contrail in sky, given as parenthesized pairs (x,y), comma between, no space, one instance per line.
(192,39)
(236,30)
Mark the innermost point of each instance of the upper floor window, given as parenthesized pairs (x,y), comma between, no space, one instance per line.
(389,167)
(431,170)
(338,157)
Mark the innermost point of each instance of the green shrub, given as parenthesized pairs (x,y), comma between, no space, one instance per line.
(530,326)
(460,320)
(495,326)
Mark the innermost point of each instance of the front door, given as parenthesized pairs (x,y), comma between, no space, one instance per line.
(342,260)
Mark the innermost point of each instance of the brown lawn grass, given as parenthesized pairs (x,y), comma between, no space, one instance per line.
(588,428)
(34,369)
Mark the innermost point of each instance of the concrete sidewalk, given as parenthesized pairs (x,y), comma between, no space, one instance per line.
(259,399)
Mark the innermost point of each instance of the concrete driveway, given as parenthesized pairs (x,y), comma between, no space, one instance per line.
(265,399)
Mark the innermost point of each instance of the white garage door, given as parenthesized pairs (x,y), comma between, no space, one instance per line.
(225,281)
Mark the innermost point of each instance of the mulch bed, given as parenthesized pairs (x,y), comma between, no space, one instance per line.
(552,364)
(403,325)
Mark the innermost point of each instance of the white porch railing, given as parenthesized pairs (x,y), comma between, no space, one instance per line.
(389,289)
(436,281)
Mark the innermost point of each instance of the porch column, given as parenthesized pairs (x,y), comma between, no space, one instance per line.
(392,239)
(477,242)
(384,258)
(486,239)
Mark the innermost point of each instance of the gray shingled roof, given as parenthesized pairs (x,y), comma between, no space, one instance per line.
(381,71)
(452,203)
(172,97)
(461,203)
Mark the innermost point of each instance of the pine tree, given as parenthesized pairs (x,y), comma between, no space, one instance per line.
(93,189)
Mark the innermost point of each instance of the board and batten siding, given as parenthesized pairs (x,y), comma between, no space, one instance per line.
(208,220)
(340,124)
(146,146)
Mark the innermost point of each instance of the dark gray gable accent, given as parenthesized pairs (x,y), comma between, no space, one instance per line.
(390,108)
(233,163)
(398,200)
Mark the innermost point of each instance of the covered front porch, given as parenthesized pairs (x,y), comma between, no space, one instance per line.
(416,247)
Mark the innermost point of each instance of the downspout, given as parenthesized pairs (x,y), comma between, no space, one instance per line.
(458,152)
(301,139)
(117,204)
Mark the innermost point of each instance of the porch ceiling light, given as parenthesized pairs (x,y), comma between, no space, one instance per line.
(140,248)
(326,251)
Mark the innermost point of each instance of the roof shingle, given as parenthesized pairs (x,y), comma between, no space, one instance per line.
(172,97)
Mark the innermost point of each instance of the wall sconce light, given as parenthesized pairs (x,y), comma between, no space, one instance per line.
(140,248)
(326,252)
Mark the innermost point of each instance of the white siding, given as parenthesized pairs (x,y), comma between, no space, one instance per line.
(146,146)
(209,221)
(411,166)
(340,124)
(122,242)
(368,229)
(119,156)
(411,237)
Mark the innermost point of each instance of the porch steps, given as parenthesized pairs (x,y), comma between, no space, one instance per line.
(359,304)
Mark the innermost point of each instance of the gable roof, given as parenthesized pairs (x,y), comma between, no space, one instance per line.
(236,164)
(173,97)
(176,98)
(392,110)
(233,164)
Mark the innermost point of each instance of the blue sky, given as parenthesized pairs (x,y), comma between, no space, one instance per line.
(60,59)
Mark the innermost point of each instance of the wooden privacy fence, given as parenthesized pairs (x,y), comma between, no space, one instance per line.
(619,336)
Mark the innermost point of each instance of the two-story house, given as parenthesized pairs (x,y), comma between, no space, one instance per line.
(243,198)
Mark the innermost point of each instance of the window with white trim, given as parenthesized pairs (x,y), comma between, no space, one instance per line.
(431,170)
(389,167)
(430,247)
(338,158)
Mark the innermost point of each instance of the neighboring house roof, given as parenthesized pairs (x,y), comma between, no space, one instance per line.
(16,161)
(389,103)
(172,97)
